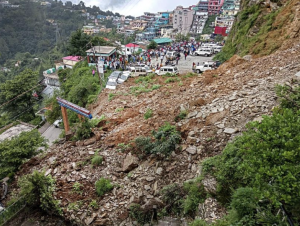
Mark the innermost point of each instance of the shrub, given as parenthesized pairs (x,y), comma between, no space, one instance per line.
(148,114)
(165,140)
(94,204)
(181,116)
(97,160)
(245,202)
(140,215)
(111,96)
(195,195)
(77,188)
(123,147)
(95,121)
(172,196)
(155,86)
(37,190)
(84,130)
(17,150)
(103,186)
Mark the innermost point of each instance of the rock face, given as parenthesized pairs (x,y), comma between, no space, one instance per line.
(130,162)
(210,210)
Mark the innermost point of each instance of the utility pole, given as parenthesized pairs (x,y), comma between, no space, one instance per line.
(93,48)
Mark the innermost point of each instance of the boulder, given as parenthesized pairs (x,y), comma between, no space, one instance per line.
(130,162)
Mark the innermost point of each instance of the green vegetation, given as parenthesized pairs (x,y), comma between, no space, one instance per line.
(103,186)
(83,130)
(97,160)
(165,140)
(145,79)
(148,114)
(119,110)
(173,197)
(94,204)
(169,80)
(136,90)
(257,172)
(38,191)
(16,151)
(111,96)
(140,215)
(152,45)
(245,38)
(181,115)
(124,147)
(207,28)
(77,188)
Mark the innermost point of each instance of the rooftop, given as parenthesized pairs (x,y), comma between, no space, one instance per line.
(73,58)
(16,131)
(162,40)
(102,49)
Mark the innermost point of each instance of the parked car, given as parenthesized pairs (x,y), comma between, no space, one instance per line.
(205,67)
(217,49)
(140,70)
(111,85)
(171,55)
(114,76)
(204,52)
(123,78)
(167,69)
(57,123)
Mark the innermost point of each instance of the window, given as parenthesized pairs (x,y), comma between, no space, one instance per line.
(170,70)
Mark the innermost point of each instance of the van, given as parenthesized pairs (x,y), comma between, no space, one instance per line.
(204,52)
(167,69)
(217,49)
(139,70)
(171,55)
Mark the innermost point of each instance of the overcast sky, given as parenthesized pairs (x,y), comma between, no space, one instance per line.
(137,7)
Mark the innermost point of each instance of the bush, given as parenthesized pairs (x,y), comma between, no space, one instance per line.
(97,160)
(16,151)
(103,186)
(195,195)
(244,202)
(77,188)
(165,142)
(181,116)
(37,190)
(148,114)
(84,130)
(169,80)
(140,215)
(198,222)
(172,196)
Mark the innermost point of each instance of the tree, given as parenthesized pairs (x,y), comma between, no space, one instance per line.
(78,43)
(20,88)
(152,45)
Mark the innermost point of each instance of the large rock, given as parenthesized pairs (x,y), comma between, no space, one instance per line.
(230,130)
(130,162)
(192,150)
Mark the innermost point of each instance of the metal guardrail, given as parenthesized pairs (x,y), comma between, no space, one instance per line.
(9,212)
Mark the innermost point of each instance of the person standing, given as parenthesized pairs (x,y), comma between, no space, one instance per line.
(161,59)
(185,55)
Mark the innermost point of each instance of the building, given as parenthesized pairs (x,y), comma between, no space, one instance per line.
(95,54)
(51,77)
(101,17)
(183,19)
(138,24)
(224,21)
(220,31)
(132,48)
(199,21)
(70,61)
(215,6)
(202,6)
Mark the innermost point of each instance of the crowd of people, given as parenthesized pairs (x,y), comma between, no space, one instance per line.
(155,58)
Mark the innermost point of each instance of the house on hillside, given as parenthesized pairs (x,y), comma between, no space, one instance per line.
(70,61)
(51,77)
(97,53)
(183,19)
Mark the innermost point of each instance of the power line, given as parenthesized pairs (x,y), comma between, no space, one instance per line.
(19,95)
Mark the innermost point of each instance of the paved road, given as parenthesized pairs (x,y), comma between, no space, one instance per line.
(52,134)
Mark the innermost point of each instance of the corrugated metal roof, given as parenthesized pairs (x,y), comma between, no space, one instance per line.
(162,40)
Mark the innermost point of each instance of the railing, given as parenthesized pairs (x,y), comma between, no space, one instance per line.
(9,212)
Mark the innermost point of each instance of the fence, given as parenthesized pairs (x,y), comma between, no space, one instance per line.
(12,210)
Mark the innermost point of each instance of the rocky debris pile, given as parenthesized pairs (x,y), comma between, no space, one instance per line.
(218,104)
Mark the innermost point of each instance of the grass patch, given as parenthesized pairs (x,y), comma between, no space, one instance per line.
(148,114)
(169,80)
(181,115)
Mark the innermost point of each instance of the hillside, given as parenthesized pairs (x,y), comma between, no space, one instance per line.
(32,28)
(254,170)
(263,27)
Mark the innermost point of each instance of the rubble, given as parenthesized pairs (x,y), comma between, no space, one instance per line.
(219,104)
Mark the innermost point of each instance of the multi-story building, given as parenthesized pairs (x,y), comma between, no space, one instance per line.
(199,21)
(214,7)
(224,21)
(202,6)
(139,24)
(183,19)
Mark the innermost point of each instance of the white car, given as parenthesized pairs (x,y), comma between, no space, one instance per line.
(123,78)
(203,52)
(167,69)
(207,66)
(114,76)
(111,85)
(171,55)
(57,123)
